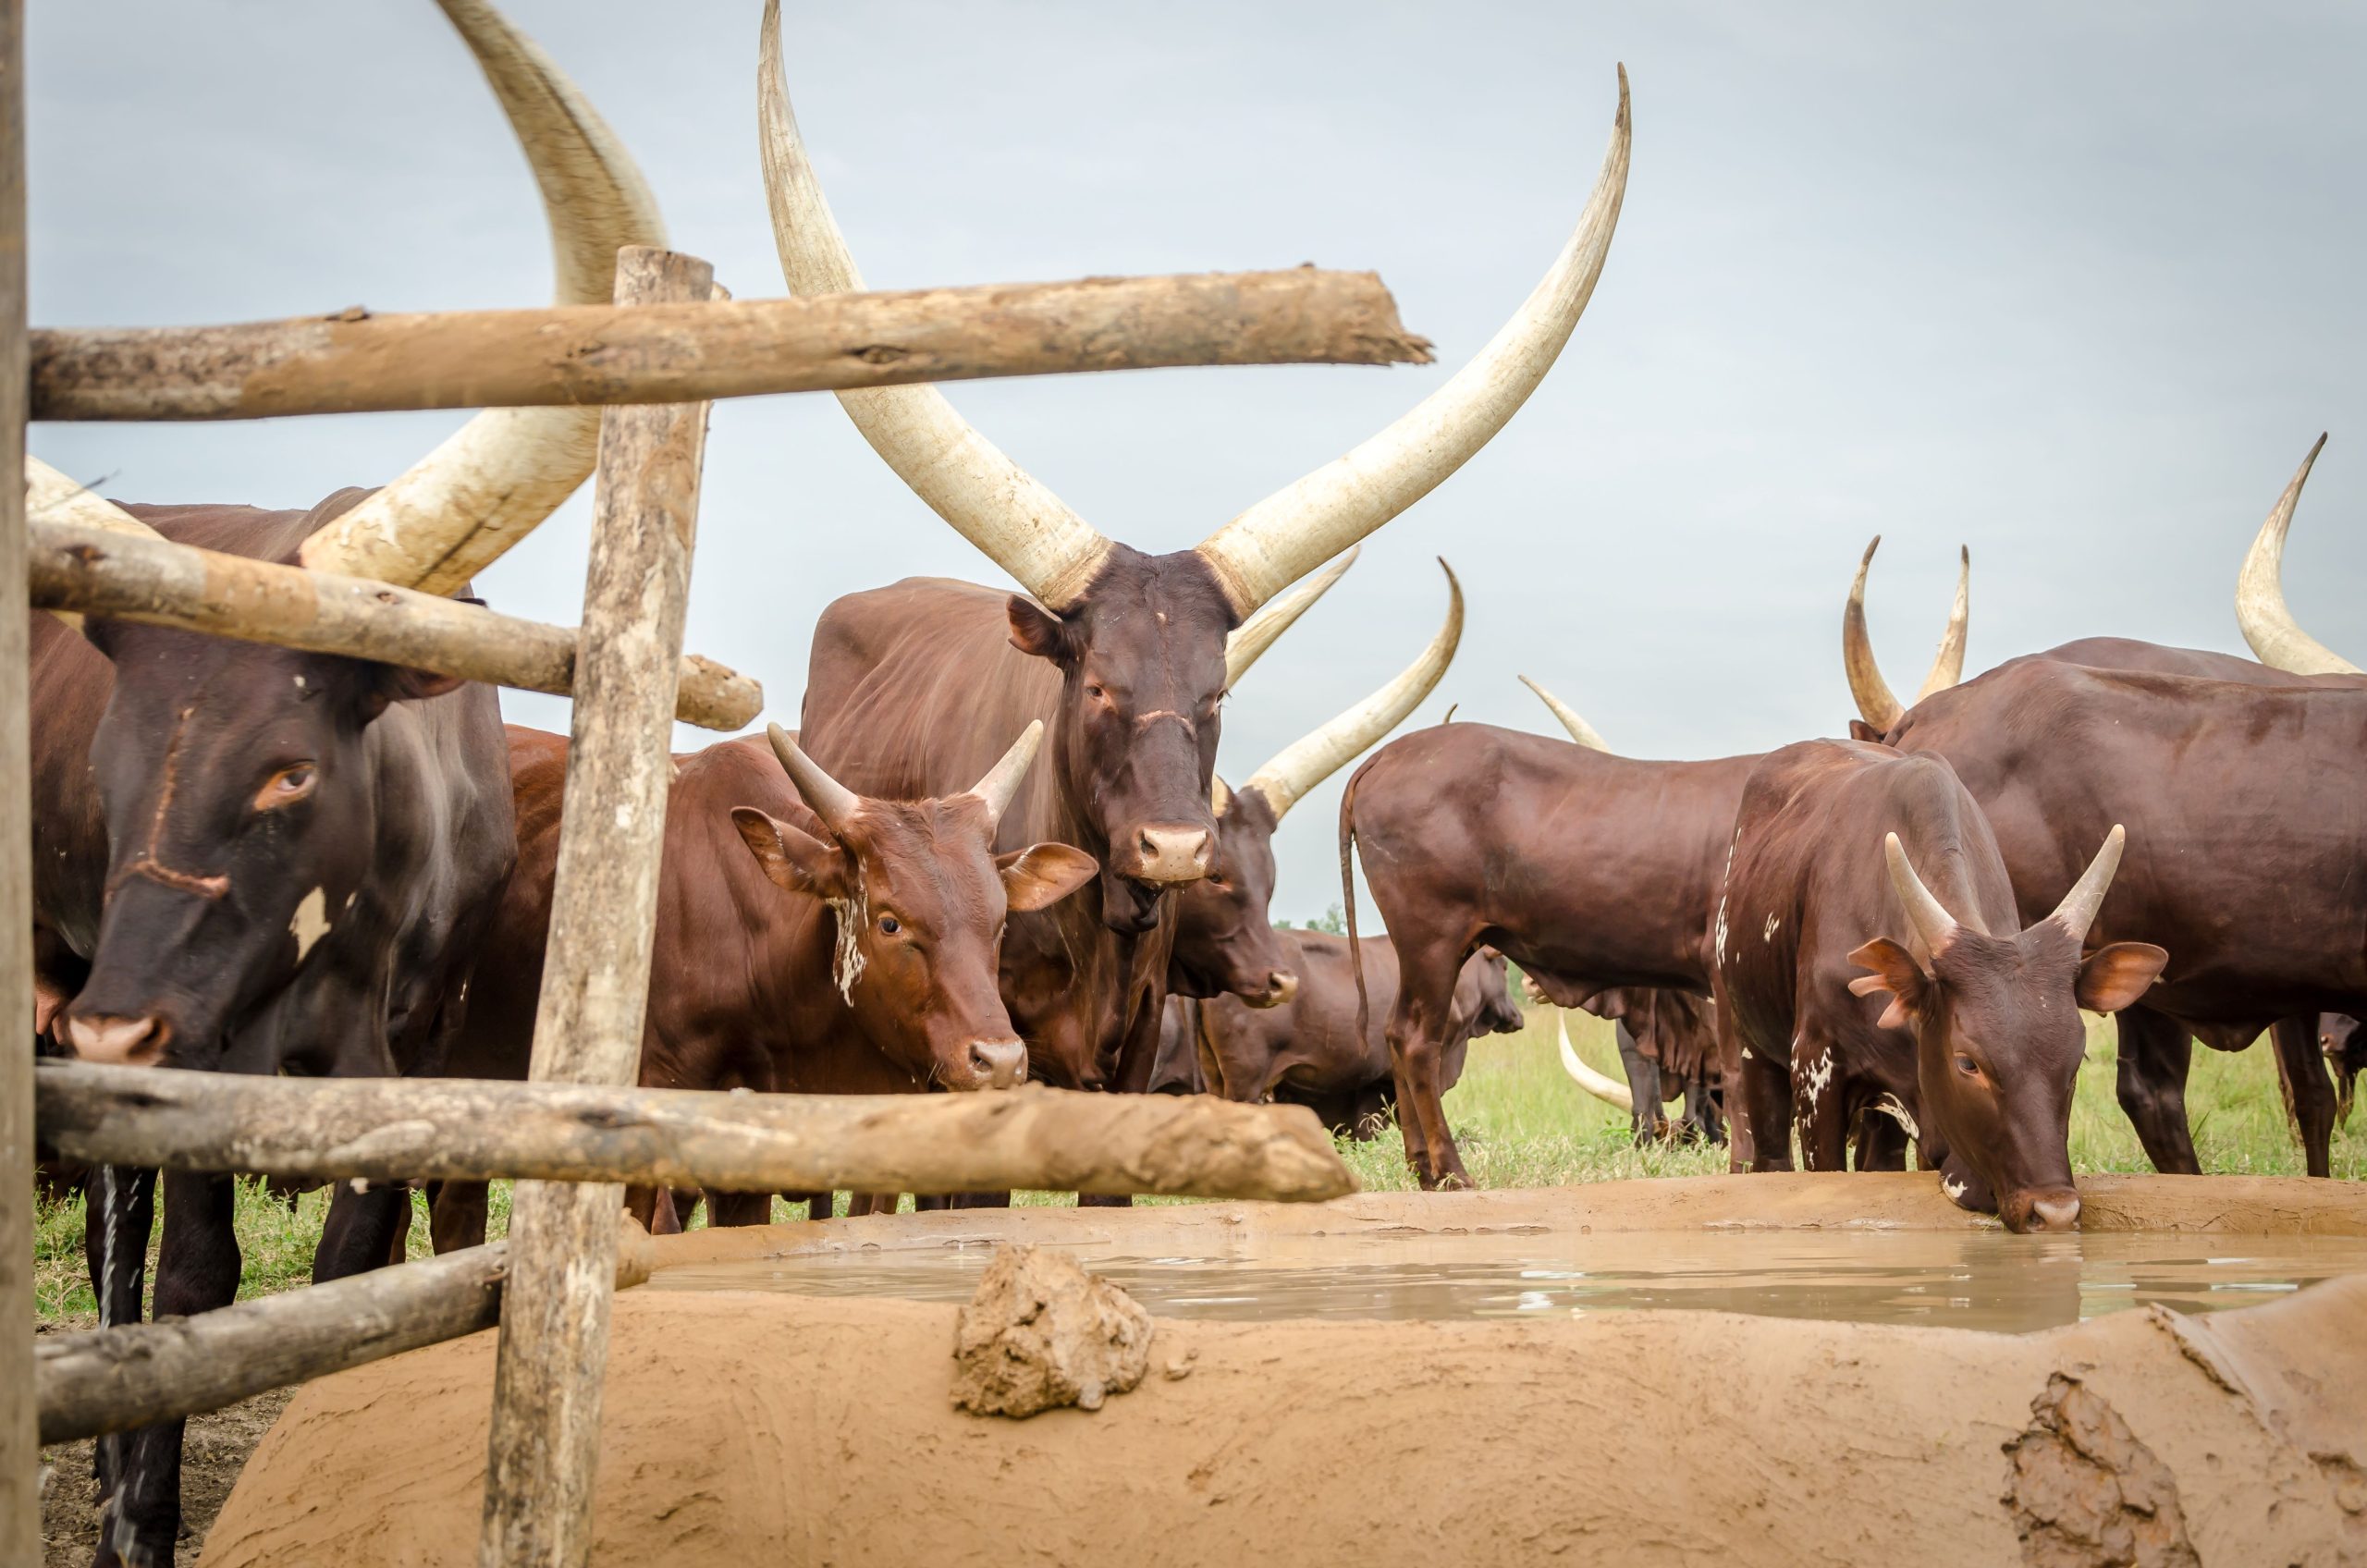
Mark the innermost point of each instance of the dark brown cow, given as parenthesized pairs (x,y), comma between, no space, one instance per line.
(1310,1050)
(1122,654)
(2155,1046)
(808,940)
(1977,1048)
(256,860)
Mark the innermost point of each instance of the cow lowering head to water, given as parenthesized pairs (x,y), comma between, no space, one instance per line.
(1122,654)
(1967,1031)
(1225,941)
(257,859)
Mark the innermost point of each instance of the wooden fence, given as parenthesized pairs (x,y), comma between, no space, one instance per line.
(576,1132)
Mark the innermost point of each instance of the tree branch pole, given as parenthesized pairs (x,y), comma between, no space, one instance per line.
(133,576)
(459,1129)
(355,362)
(19,1447)
(544,1443)
(115,1379)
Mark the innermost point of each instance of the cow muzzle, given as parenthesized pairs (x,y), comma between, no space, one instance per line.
(1169,855)
(119,1042)
(996,1064)
(1282,989)
(2042,1210)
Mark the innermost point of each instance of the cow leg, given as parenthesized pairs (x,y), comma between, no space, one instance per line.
(1643,1087)
(117,1217)
(979,1200)
(361,1231)
(2155,1056)
(817,1205)
(1767,1105)
(456,1214)
(1701,1118)
(739,1209)
(1104,1200)
(1418,1030)
(1820,1106)
(197,1270)
(1881,1142)
(2309,1091)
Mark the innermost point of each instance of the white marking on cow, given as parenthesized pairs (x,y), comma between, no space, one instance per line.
(1767,932)
(1816,1078)
(1722,930)
(311,922)
(1890,1106)
(300,683)
(847,961)
(106,1248)
(1746,1053)
(1954,1188)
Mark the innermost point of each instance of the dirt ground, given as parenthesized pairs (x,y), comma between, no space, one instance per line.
(216,1450)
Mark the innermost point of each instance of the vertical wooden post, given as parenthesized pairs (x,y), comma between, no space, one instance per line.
(563,1237)
(19,1443)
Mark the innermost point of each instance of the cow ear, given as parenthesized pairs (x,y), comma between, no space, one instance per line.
(794,860)
(1038,631)
(1894,971)
(1860,730)
(2117,975)
(388,684)
(1042,874)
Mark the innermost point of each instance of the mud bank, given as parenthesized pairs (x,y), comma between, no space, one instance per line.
(779,1428)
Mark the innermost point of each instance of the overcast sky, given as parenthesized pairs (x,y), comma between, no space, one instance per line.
(2076,285)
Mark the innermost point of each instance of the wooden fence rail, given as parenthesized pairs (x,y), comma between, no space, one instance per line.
(395,1129)
(687,353)
(114,1379)
(133,576)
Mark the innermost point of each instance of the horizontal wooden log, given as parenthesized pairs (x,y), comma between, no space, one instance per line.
(356,362)
(114,1379)
(394,1128)
(132,577)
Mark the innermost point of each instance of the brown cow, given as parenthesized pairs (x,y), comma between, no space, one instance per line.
(1311,1051)
(1122,654)
(1668,1051)
(1978,1047)
(808,939)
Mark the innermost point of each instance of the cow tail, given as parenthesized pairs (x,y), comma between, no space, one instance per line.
(1348,899)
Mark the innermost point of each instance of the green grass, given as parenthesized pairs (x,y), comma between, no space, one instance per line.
(1519,1121)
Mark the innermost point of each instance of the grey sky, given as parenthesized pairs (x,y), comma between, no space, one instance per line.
(2074,285)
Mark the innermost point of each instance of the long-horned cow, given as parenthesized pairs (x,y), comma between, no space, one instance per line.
(2154,1037)
(1120,652)
(1976,1044)
(253,860)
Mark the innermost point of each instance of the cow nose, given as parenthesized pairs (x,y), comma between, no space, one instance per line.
(1282,989)
(999,1064)
(120,1042)
(2056,1211)
(1172,854)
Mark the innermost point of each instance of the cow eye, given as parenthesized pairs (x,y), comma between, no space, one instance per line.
(890,925)
(286,787)
(1096,693)
(1966,1066)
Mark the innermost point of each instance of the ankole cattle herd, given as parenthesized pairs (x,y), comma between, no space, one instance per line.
(995,849)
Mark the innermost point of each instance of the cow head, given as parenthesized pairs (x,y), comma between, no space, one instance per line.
(243,810)
(919,897)
(1140,639)
(1488,1002)
(1224,937)
(1999,1037)
(2344,1045)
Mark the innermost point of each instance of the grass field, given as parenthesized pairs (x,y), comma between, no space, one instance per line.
(1519,1121)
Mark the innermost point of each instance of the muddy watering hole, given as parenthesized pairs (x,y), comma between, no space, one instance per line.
(1976,1280)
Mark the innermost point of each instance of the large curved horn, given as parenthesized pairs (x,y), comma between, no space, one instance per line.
(1284,536)
(1309,760)
(1585,734)
(2078,910)
(1930,918)
(991,501)
(458,509)
(1256,634)
(1876,704)
(50,496)
(1608,1090)
(825,796)
(1003,781)
(2267,625)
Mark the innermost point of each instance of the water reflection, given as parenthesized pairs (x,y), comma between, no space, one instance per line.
(1965,1280)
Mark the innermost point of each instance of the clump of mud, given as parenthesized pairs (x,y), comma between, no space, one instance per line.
(1042,1333)
(2087,1494)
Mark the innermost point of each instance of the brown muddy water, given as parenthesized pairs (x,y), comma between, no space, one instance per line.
(1987,1280)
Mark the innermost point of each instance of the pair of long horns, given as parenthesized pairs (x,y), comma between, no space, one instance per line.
(1585,734)
(1876,704)
(1055,554)
(1937,927)
(500,477)
(837,805)
(2267,625)
(1309,760)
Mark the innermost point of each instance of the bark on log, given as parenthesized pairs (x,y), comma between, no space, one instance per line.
(681,352)
(461,1129)
(19,1449)
(114,1379)
(131,577)
(545,1442)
